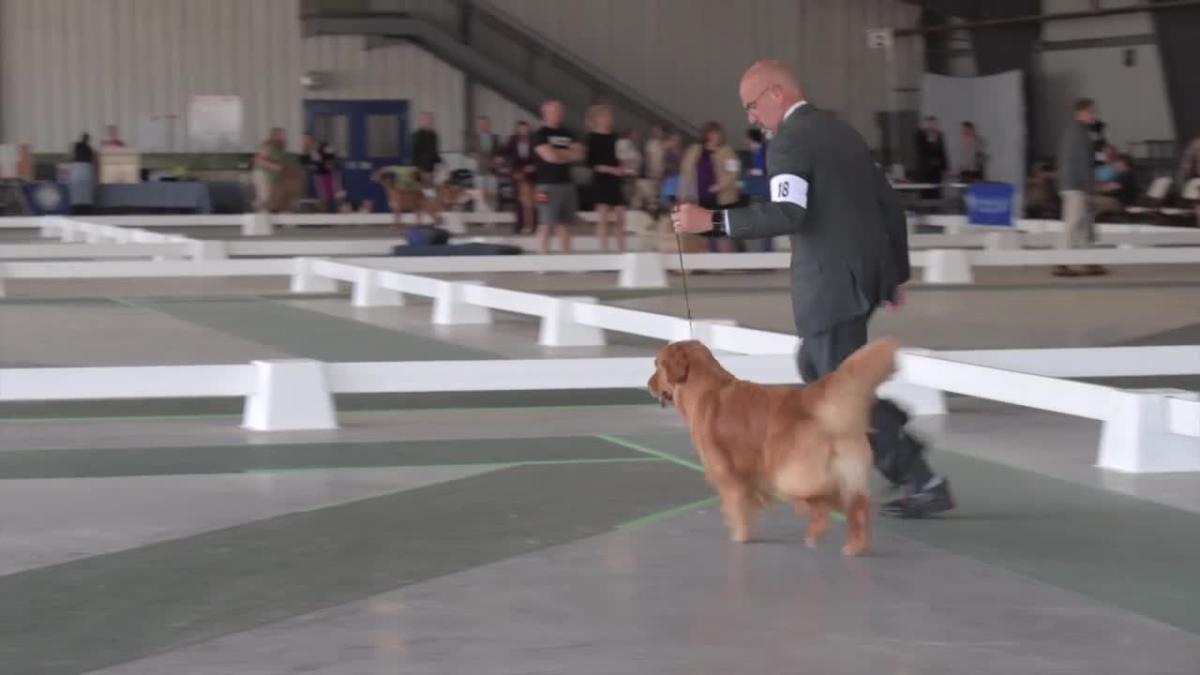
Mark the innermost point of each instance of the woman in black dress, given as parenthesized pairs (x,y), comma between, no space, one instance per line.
(607,176)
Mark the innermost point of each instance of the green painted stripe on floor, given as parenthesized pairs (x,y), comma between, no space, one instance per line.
(651,451)
(461,465)
(677,459)
(111,462)
(1127,552)
(90,303)
(100,611)
(346,403)
(309,334)
(669,513)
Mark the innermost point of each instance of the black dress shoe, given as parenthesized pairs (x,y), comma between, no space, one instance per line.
(927,502)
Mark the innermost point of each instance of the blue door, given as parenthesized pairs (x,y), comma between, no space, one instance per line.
(365,135)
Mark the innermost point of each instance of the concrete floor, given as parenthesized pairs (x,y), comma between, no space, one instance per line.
(563,533)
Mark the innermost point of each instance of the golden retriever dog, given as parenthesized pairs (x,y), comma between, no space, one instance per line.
(808,445)
(406,194)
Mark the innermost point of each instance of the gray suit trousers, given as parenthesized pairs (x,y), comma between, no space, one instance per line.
(898,456)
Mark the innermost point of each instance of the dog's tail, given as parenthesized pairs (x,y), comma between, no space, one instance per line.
(847,394)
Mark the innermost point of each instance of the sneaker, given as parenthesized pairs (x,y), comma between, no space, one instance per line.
(929,501)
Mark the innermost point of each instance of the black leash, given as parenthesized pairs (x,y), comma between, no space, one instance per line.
(683,274)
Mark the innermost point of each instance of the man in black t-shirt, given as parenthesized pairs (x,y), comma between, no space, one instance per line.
(425,153)
(556,148)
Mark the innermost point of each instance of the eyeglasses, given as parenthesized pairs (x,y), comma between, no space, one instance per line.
(753,105)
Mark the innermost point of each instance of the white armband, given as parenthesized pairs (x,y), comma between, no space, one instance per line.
(787,187)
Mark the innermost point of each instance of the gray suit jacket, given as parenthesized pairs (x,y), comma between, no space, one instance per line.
(1075,158)
(847,225)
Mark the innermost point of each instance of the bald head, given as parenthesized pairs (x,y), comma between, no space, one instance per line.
(772,73)
(767,90)
(552,113)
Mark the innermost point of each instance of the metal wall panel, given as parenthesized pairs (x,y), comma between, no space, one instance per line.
(1093,27)
(689,54)
(70,66)
(75,65)
(401,71)
(1131,100)
(504,113)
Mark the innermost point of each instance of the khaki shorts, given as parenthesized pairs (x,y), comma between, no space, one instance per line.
(1078,229)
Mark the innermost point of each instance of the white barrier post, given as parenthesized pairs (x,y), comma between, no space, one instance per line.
(1002,240)
(256,224)
(368,292)
(451,308)
(1136,438)
(289,395)
(559,328)
(452,222)
(947,266)
(642,270)
(69,231)
(305,280)
(208,249)
(914,398)
(50,226)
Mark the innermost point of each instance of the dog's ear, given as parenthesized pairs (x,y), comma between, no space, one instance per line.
(675,365)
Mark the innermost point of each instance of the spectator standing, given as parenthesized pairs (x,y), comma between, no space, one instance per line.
(557,148)
(972,154)
(426,155)
(931,157)
(608,176)
(709,176)
(1075,179)
(485,149)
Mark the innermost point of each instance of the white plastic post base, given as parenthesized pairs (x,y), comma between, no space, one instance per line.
(1002,240)
(452,222)
(450,308)
(642,270)
(559,328)
(256,224)
(948,266)
(70,233)
(304,280)
(209,250)
(1136,438)
(50,227)
(289,395)
(916,400)
(368,292)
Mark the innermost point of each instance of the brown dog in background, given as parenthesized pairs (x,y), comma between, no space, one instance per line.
(808,445)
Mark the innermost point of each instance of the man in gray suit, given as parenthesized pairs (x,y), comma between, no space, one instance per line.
(849,254)
(1076,173)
